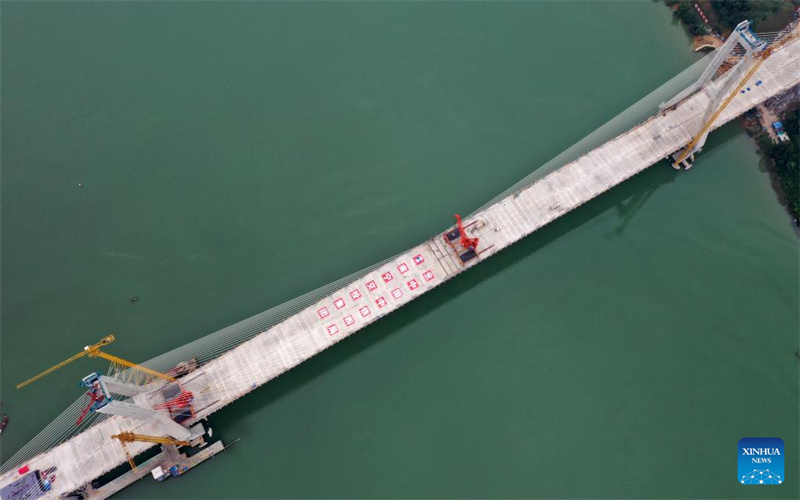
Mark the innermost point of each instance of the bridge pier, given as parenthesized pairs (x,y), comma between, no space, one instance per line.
(686,163)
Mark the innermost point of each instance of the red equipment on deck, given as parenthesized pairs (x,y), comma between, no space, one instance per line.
(182,400)
(466,242)
(95,396)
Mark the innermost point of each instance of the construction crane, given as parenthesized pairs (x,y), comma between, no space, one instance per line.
(759,60)
(466,242)
(93,351)
(130,437)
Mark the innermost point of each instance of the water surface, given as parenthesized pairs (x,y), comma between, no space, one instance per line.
(235,155)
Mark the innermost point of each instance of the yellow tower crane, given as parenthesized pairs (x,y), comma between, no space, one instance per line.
(759,59)
(130,437)
(93,351)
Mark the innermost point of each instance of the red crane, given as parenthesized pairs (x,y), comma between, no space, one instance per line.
(95,396)
(471,243)
(182,400)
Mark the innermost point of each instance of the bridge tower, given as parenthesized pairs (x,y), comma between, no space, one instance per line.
(100,392)
(741,54)
(138,383)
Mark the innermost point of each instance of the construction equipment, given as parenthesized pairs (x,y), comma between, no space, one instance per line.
(471,243)
(179,402)
(98,397)
(759,59)
(128,379)
(94,351)
(130,437)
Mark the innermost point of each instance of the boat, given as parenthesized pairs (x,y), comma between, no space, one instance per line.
(3,422)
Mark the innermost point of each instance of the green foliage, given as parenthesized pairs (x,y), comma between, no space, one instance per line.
(785,157)
(791,124)
(689,16)
(732,12)
(764,142)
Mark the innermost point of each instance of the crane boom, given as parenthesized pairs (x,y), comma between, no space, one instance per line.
(129,437)
(93,351)
(115,359)
(88,350)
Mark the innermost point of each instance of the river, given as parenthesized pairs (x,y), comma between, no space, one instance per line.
(217,159)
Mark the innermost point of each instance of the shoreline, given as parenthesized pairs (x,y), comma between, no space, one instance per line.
(705,42)
(786,107)
(703,25)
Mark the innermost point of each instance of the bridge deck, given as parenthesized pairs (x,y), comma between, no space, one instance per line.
(415,272)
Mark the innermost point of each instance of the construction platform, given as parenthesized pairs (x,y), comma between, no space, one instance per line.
(234,374)
(168,458)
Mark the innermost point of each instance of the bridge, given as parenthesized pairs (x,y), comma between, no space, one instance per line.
(747,70)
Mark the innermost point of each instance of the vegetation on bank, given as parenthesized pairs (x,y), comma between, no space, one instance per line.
(724,15)
(685,11)
(783,160)
(732,12)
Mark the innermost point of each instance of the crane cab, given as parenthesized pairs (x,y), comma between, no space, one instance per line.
(97,391)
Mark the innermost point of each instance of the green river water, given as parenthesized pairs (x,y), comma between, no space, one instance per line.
(236,155)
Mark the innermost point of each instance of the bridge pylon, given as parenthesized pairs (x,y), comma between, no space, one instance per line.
(743,53)
(728,50)
(101,400)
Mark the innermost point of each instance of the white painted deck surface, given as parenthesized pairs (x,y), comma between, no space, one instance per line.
(420,269)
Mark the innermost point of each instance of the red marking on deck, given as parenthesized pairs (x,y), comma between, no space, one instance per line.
(428,275)
(364,311)
(355,294)
(412,285)
(403,268)
(323,313)
(397,293)
(371,286)
(380,301)
(333,329)
(348,320)
(339,303)
(387,277)
(418,259)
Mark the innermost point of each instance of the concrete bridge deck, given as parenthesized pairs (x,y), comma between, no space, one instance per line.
(415,272)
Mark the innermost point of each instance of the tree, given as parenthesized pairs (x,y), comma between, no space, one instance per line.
(688,15)
(732,12)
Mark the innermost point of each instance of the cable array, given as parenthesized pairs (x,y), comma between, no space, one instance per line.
(638,113)
(203,350)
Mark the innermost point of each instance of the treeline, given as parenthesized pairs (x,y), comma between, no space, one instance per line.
(729,12)
(732,12)
(785,157)
(687,14)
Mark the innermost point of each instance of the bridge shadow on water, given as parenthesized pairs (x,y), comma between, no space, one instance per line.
(627,208)
(627,199)
(657,176)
